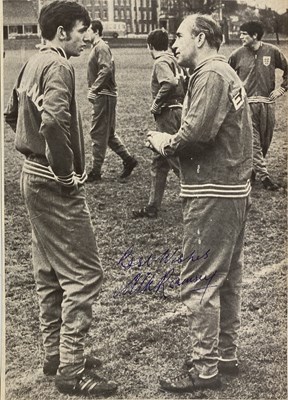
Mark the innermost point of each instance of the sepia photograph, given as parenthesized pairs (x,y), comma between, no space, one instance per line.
(143,199)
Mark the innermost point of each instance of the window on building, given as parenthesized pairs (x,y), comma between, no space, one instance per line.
(116,14)
(13,30)
(116,2)
(104,14)
(97,14)
(122,2)
(128,14)
(144,15)
(122,14)
(28,29)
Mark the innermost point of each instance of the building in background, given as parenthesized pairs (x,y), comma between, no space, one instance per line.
(144,16)
(19,19)
(138,17)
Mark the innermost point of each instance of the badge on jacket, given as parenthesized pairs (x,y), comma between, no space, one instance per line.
(266,60)
(238,99)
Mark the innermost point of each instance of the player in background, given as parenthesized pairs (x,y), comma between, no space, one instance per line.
(168,92)
(255,63)
(214,146)
(103,96)
(43,113)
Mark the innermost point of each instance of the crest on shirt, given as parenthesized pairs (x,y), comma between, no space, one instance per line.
(266,61)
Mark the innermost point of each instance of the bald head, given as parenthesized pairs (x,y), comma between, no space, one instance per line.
(198,23)
(198,37)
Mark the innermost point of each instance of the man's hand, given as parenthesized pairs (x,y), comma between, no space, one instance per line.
(276,93)
(157,141)
(91,96)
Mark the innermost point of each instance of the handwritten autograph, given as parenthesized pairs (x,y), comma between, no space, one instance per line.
(150,281)
(129,260)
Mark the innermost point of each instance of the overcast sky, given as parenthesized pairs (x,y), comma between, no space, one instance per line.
(278,5)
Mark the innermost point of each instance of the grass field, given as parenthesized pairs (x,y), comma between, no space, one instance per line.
(140,338)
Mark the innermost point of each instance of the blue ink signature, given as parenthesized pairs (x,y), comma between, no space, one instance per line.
(145,282)
(129,260)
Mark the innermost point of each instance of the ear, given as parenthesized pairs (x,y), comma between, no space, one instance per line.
(201,39)
(61,33)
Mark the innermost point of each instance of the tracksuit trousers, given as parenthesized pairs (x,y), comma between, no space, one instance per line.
(263,121)
(67,267)
(103,133)
(216,226)
(168,121)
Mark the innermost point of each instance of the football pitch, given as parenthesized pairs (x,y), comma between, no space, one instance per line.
(140,338)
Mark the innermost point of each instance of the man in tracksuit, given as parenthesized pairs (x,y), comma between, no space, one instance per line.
(168,91)
(214,146)
(102,94)
(43,113)
(255,63)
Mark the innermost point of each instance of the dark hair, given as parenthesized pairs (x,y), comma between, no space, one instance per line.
(61,13)
(206,24)
(158,39)
(97,26)
(253,27)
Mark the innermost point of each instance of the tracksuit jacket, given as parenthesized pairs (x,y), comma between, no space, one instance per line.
(256,69)
(44,115)
(214,143)
(101,71)
(167,83)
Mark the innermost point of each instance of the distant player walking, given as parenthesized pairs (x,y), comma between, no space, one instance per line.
(103,96)
(168,92)
(255,63)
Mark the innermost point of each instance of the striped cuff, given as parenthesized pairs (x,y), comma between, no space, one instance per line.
(91,96)
(155,109)
(31,167)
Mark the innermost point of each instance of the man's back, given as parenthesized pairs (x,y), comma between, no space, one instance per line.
(166,70)
(101,70)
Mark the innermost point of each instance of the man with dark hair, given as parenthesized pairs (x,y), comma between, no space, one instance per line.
(43,113)
(168,91)
(214,145)
(255,63)
(103,96)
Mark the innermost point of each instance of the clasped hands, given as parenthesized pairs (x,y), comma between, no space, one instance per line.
(156,141)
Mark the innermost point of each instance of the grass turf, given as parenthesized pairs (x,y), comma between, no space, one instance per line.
(140,338)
